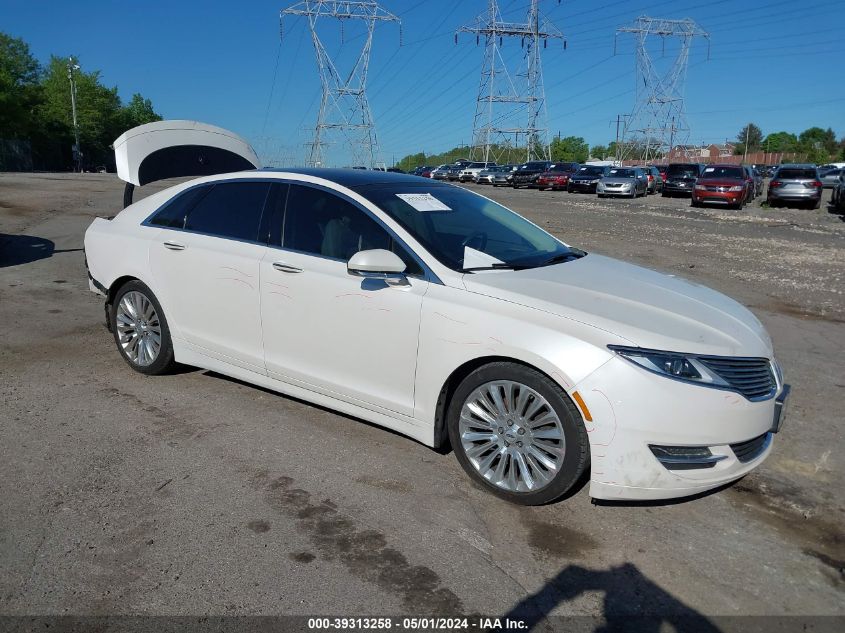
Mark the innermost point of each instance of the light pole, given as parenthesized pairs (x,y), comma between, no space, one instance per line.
(77,153)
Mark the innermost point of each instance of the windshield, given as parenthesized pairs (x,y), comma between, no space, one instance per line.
(622,173)
(591,171)
(683,171)
(723,172)
(533,166)
(465,224)
(563,167)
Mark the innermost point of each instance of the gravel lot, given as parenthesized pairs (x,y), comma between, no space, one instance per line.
(196,494)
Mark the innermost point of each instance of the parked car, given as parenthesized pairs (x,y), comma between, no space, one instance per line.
(723,185)
(505,176)
(752,185)
(795,184)
(488,176)
(469,172)
(526,174)
(680,178)
(586,179)
(630,182)
(838,194)
(830,179)
(758,181)
(435,312)
(655,179)
(556,176)
(440,173)
(454,172)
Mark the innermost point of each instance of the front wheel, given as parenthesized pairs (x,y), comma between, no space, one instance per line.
(140,330)
(517,433)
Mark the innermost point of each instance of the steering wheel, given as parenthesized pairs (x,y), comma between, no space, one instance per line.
(481,236)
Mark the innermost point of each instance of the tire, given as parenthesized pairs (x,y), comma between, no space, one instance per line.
(663,194)
(134,297)
(601,195)
(539,391)
(695,203)
(817,204)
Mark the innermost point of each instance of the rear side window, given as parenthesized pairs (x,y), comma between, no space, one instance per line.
(318,222)
(230,209)
(172,215)
(798,174)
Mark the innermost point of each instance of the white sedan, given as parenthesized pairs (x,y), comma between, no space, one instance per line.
(434,311)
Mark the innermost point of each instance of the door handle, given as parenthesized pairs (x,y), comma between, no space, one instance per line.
(286,268)
(174,246)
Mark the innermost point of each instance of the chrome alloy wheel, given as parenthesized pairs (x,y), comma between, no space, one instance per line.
(512,436)
(138,328)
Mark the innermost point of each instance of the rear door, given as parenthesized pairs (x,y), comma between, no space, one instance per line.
(205,262)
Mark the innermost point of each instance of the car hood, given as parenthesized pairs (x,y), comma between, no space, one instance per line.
(644,307)
(618,181)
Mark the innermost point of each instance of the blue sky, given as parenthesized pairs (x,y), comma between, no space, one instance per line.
(776,63)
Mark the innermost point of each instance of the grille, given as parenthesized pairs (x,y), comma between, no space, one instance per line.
(752,377)
(751,449)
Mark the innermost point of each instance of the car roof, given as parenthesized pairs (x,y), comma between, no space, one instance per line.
(351,177)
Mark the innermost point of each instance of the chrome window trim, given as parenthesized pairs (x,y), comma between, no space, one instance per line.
(428,274)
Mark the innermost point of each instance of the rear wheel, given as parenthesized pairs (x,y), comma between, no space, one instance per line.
(140,330)
(817,204)
(517,433)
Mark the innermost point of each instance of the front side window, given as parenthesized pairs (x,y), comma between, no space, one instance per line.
(318,222)
(231,210)
(469,222)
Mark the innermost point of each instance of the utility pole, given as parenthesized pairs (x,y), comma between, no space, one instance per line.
(504,93)
(659,114)
(344,106)
(77,150)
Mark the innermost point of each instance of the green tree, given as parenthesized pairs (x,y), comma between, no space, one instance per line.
(19,90)
(570,148)
(139,111)
(780,142)
(751,134)
(599,151)
(818,144)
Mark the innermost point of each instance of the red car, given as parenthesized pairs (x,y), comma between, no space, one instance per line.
(556,176)
(722,185)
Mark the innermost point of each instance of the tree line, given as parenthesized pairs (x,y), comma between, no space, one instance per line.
(36,125)
(814,145)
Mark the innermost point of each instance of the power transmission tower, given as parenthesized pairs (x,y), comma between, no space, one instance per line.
(343,105)
(503,93)
(658,121)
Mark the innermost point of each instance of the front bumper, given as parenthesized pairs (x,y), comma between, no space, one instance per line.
(605,190)
(633,409)
(678,188)
(577,185)
(717,197)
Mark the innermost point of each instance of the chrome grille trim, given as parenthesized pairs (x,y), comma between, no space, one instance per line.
(754,378)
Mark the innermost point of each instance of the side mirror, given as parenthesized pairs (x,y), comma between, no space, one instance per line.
(377,262)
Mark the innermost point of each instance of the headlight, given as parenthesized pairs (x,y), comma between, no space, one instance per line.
(700,187)
(594,181)
(669,364)
(736,188)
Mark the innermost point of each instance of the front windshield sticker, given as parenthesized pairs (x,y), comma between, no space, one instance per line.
(707,170)
(423,201)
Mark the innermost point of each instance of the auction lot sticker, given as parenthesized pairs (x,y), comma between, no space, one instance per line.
(423,201)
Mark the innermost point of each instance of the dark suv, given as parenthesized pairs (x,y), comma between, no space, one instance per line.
(526,174)
(680,178)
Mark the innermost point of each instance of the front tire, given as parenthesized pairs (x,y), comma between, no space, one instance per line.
(140,330)
(516,433)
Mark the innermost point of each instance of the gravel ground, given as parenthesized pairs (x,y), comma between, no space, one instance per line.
(196,494)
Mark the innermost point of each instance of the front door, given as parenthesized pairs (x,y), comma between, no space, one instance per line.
(349,337)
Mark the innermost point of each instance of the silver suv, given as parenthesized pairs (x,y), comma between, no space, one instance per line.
(795,184)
